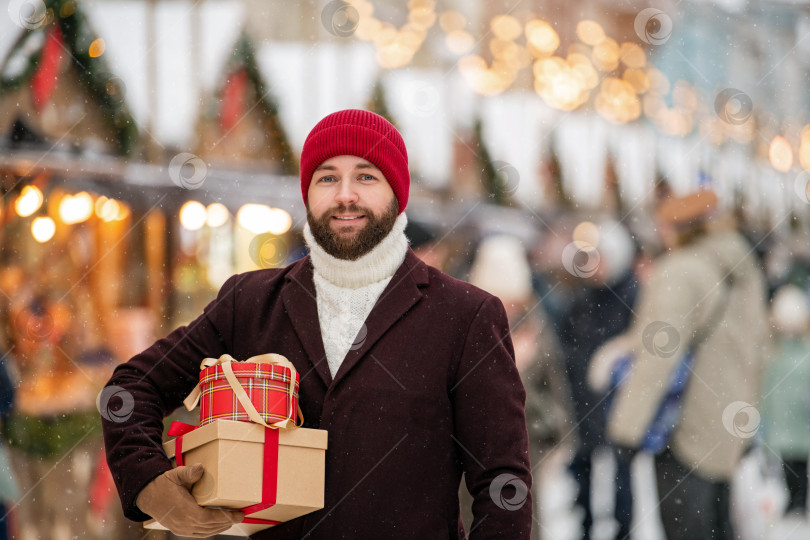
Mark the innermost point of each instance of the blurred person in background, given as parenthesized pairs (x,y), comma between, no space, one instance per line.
(426,244)
(601,309)
(705,292)
(501,268)
(786,394)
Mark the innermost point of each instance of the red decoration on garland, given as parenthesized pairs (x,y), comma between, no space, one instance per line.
(102,488)
(233,99)
(44,79)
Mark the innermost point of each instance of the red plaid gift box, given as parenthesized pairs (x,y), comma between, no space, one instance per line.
(268,387)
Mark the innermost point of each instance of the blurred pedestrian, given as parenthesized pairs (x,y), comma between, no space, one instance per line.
(601,309)
(786,394)
(706,294)
(501,268)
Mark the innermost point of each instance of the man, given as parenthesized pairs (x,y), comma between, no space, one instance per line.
(706,294)
(411,372)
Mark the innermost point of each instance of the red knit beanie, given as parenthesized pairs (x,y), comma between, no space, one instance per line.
(363,134)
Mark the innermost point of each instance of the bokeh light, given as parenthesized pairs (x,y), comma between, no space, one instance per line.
(193,215)
(29,201)
(43,229)
(76,208)
(218,215)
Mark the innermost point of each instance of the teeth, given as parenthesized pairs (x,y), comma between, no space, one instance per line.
(345,218)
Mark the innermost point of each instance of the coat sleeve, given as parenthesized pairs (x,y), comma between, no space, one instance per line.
(149,387)
(672,307)
(490,428)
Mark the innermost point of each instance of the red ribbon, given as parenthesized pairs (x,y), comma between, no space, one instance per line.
(269,468)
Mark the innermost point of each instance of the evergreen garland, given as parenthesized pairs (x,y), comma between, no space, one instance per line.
(493,181)
(93,73)
(378,103)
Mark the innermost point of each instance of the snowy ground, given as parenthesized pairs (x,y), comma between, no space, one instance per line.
(757,512)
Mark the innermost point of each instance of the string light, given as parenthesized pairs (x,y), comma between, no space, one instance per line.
(259,218)
(780,154)
(218,215)
(506,27)
(193,215)
(76,208)
(804,148)
(29,201)
(97,48)
(280,221)
(43,229)
(590,32)
(541,39)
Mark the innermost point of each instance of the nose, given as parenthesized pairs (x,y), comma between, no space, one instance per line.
(346,193)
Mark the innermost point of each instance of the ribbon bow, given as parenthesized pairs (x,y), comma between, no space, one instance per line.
(225,362)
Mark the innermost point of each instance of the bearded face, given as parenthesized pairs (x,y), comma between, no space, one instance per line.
(345,242)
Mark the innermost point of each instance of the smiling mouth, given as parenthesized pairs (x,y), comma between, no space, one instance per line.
(348,218)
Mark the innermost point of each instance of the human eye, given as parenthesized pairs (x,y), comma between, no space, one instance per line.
(326,179)
(365,177)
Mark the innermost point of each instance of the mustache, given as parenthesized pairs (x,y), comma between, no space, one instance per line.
(342,208)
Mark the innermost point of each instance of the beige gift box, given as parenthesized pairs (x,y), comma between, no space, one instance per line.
(232,454)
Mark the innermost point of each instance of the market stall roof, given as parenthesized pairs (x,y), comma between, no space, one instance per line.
(194,42)
(147,186)
(432,105)
(55,81)
(239,126)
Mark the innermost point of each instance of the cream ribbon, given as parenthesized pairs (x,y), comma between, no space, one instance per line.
(226,361)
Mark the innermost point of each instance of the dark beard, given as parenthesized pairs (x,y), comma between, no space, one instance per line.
(366,239)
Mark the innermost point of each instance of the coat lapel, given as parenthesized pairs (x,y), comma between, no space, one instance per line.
(299,301)
(398,297)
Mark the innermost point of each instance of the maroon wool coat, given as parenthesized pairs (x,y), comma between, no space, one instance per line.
(431,392)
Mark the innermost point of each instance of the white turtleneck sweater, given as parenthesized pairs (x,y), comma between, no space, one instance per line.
(347,290)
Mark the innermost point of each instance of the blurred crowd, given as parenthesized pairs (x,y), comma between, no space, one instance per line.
(684,336)
(690,346)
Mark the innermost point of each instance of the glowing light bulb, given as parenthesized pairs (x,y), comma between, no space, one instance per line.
(29,201)
(218,215)
(280,221)
(255,218)
(193,215)
(76,208)
(43,229)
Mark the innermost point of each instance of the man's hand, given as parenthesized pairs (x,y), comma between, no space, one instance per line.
(168,499)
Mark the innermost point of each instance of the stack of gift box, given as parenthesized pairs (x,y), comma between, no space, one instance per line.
(256,457)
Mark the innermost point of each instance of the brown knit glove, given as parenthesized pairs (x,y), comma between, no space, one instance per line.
(168,499)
